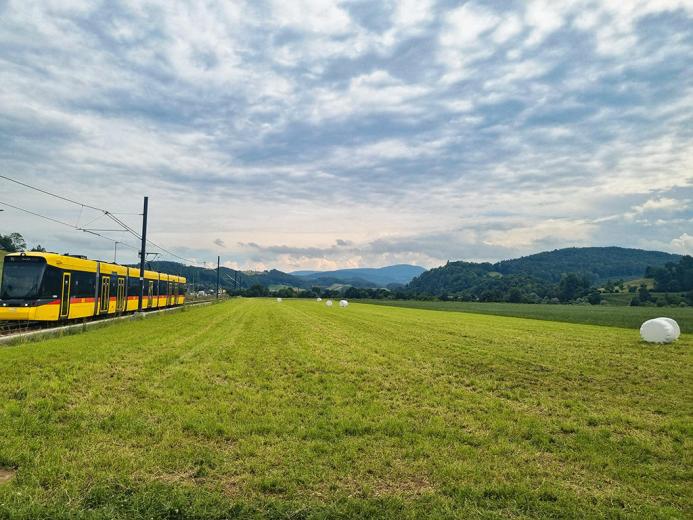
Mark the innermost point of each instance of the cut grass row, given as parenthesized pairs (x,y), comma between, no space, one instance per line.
(611,316)
(254,408)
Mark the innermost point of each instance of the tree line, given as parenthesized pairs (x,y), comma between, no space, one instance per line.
(14,243)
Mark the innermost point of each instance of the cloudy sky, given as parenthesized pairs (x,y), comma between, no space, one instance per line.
(321,134)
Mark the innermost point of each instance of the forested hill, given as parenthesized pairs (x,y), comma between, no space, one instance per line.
(540,272)
(202,278)
(371,277)
(597,263)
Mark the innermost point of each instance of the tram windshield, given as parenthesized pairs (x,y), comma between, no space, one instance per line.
(21,277)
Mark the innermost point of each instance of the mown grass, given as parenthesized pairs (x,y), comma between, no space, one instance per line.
(610,316)
(254,408)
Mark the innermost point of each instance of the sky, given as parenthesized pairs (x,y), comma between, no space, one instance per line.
(320,134)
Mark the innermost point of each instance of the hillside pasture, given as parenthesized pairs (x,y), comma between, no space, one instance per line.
(256,409)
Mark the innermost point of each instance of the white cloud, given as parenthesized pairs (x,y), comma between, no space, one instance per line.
(662,203)
(572,232)
(544,17)
(613,22)
(460,40)
(316,16)
(683,244)
(410,14)
(510,26)
(374,92)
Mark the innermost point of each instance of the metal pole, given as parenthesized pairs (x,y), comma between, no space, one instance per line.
(143,252)
(115,252)
(218,263)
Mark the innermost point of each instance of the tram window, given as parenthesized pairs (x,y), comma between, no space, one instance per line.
(52,283)
(133,285)
(83,284)
(22,278)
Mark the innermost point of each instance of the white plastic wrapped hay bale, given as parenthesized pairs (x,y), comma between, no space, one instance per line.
(343,303)
(279,300)
(318,299)
(328,303)
(672,322)
(658,330)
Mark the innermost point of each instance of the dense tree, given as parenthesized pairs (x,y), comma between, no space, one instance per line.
(572,286)
(12,243)
(594,297)
(256,290)
(644,294)
(673,277)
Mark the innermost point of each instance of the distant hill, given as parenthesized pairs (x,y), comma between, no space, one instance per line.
(367,276)
(207,278)
(598,263)
(540,271)
(361,278)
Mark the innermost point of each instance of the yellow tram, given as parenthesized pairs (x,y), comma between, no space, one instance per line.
(53,287)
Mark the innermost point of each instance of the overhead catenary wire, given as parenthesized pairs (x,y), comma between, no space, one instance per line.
(67,224)
(50,193)
(106,212)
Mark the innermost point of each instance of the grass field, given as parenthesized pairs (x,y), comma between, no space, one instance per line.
(612,316)
(253,408)
(622,299)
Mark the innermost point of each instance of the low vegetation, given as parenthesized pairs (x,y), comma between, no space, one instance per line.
(607,315)
(254,408)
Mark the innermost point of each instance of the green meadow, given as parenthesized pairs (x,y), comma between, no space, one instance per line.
(259,409)
(609,315)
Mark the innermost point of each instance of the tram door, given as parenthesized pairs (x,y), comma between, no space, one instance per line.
(120,295)
(65,296)
(105,293)
(150,294)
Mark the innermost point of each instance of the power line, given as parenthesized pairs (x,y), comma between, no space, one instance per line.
(57,221)
(51,194)
(36,214)
(104,211)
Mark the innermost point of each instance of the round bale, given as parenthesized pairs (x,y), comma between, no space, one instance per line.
(328,303)
(343,303)
(657,330)
(672,322)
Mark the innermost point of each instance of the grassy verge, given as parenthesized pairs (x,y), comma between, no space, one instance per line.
(254,408)
(611,316)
